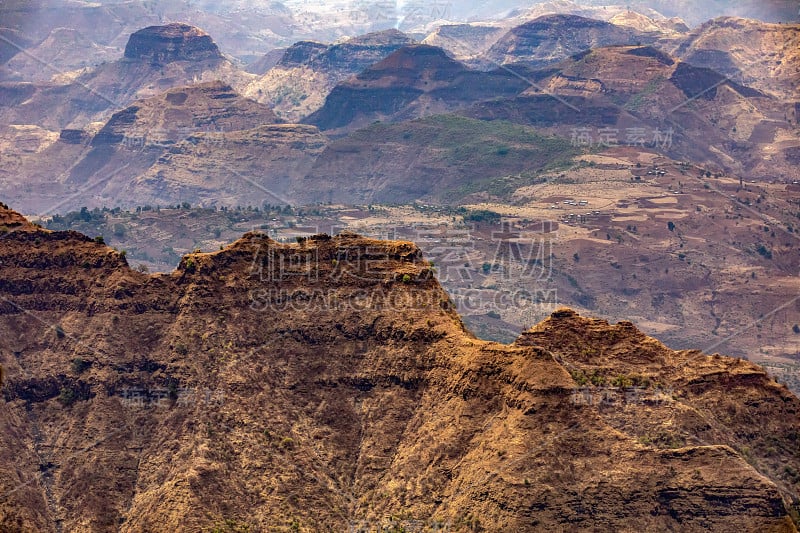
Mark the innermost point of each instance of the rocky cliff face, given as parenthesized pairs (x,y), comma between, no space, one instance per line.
(156,59)
(307,71)
(764,56)
(264,63)
(465,41)
(248,167)
(329,385)
(199,144)
(358,53)
(172,116)
(413,81)
(172,42)
(551,38)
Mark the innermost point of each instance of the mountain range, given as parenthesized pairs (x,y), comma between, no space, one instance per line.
(369,266)
(736,123)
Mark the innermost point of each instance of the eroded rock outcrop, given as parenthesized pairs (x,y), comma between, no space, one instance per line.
(328,384)
(172,42)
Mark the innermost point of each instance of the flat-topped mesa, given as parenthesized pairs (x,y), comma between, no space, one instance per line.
(381,38)
(173,42)
(347,259)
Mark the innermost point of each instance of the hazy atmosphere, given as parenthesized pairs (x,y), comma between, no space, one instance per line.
(399,266)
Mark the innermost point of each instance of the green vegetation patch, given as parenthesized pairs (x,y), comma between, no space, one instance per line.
(495,156)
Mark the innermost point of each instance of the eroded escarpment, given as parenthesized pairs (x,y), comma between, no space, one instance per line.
(329,384)
(171,42)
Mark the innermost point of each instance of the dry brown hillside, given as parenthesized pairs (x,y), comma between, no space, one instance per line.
(329,385)
(156,59)
(758,54)
(202,143)
(307,71)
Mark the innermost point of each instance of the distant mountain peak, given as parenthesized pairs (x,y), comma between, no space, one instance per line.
(564,19)
(172,42)
(417,57)
(551,38)
(301,53)
(377,38)
(306,52)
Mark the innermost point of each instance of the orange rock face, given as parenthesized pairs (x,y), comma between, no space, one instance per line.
(329,385)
